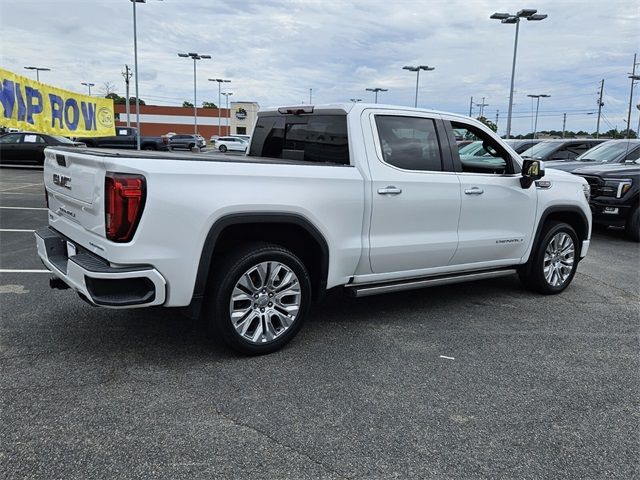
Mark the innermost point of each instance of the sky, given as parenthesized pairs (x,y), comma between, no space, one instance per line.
(274,51)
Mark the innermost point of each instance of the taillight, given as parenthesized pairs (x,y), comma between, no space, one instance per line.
(124,201)
(165,140)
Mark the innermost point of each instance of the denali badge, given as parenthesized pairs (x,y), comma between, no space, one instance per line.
(62,181)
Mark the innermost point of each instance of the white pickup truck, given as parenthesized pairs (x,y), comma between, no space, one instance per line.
(369,198)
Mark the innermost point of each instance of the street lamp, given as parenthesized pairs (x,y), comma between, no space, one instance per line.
(38,70)
(87,84)
(376,90)
(194,56)
(227,95)
(220,82)
(537,97)
(417,70)
(531,15)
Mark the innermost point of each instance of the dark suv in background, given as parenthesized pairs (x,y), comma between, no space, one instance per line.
(186,141)
(560,149)
(615,195)
(611,152)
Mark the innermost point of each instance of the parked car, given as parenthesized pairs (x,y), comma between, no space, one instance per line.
(611,152)
(186,141)
(125,137)
(246,138)
(230,143)
(521,145)
(615,195)
(473,149)
(27,148)
(346,196)
(559,149)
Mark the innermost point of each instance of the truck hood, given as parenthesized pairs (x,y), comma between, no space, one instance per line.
(569,166)
(616,169)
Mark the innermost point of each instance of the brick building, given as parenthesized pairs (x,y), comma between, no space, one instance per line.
(159,120)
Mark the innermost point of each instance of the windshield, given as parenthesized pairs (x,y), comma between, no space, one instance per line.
(605,152)
(541,150)
(472,150)
(61,139)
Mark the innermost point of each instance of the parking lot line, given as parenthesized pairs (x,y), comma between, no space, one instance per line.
(25,185)
(16,230)
(11,270)
(23,208)
(448,358)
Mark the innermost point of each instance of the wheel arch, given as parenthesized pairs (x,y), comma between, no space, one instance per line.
(307,243)
(569,214)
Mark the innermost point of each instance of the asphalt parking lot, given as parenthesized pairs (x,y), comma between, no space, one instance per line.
(481,380)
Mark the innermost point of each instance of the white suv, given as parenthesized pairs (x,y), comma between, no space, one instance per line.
(230,143)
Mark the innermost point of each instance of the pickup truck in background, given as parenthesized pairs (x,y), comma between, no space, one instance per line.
(125,137)
(367,198)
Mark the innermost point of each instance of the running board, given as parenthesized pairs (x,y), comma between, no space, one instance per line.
(375,289)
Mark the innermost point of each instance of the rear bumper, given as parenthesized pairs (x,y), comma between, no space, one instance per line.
(95,279)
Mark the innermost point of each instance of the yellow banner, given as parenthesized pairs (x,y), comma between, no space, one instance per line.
(36,107)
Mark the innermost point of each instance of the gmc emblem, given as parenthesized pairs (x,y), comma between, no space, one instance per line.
(62,181)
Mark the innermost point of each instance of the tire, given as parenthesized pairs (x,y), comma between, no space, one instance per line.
(265,315)
(552,266)
(223,148)
(632,228)
(148,147)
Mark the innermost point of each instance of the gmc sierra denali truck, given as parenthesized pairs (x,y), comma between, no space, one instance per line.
(369,198)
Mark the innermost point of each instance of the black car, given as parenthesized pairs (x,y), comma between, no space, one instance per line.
(127,137)
(521,145)
(27,148)
(560,149)
(187,141)
(611,152)
(615,193)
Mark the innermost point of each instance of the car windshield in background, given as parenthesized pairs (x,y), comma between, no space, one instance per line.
(472,150)
(606,152)
(61,139)
(540,150)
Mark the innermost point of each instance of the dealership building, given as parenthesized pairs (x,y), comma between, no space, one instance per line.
(238,119)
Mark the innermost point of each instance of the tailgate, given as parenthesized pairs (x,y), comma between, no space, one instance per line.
(75,186)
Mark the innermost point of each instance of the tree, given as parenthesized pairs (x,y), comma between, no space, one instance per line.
(107,89)
(488,123)
(187,104)
(209,105)
(117,99)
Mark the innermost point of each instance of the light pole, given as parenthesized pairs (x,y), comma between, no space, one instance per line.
(376,90)
(135,70)
(638,130)
(417,69)
(127,77)
(38,70)
(633,78)
(227,95)
(531,15)
(195,57)
(87,84)
(537,97)
(220,82)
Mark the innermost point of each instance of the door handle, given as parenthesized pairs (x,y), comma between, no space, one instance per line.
(390,190)
(474,191)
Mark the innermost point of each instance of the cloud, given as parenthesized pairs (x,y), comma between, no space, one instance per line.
(275,51)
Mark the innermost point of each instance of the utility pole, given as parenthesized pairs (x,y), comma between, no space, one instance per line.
(310,96)
(600,105)
(482,105)
(471,107)
(633,78)
(127,74)
(497,116)
(564,123)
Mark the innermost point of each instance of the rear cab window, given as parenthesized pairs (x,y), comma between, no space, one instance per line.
(314,138)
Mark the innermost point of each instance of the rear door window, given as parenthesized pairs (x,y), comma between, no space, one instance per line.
(313,138)
(409,143)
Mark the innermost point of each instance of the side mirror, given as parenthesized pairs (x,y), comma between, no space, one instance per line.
(532,170)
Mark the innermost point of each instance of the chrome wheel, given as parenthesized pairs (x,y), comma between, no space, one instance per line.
(558,260)
(265,302)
